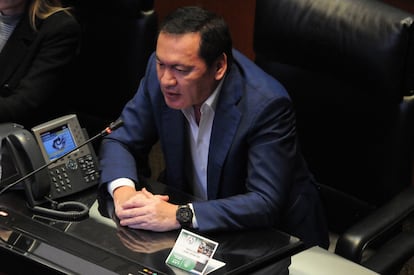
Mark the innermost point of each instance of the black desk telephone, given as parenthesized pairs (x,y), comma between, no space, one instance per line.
(23,152)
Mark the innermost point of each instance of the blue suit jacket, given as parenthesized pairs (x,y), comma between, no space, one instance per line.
(256,175)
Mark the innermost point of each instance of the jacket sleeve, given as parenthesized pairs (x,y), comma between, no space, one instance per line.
(124,153)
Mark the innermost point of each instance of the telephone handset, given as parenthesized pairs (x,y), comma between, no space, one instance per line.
(23,151)
(20,154)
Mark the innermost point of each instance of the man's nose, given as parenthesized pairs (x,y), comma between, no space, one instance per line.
(168,78)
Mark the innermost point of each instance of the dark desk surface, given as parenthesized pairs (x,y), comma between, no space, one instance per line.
(98,245)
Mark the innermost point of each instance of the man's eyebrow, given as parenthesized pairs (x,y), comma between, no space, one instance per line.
(157,58)
(175,64)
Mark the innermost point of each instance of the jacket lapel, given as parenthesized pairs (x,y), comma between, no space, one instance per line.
(226,121)
(15,49)
(174,130)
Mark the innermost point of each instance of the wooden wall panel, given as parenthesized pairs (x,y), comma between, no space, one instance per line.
(407,5)
(238,14)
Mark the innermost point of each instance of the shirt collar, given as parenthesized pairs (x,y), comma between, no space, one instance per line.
(10,19)
(211,100)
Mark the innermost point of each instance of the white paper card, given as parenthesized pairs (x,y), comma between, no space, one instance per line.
(193,253)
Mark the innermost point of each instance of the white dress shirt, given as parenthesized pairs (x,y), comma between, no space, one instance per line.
(199,138)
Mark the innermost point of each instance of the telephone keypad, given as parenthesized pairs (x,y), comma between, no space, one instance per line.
(81,170)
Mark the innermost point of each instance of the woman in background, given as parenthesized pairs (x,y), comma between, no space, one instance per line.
(39,44)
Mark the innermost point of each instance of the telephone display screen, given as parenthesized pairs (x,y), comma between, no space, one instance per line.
(58,142)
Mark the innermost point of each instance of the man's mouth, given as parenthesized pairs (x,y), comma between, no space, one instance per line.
(171,94)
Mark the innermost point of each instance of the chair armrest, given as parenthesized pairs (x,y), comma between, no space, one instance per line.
(352,243)
(391,257)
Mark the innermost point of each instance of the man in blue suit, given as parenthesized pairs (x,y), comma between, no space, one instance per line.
(227,132)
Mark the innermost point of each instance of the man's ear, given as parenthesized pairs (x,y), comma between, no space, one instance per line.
(221,67)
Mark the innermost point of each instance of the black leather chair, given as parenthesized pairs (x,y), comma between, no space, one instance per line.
(117,39)
(348,66)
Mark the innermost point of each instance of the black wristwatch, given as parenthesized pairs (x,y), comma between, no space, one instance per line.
(184,215)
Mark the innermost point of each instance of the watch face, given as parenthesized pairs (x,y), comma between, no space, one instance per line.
(184,214)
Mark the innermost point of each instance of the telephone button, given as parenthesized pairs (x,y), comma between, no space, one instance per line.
(71,164)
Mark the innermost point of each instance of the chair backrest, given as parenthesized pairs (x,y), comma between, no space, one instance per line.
(348,66)
(117,39)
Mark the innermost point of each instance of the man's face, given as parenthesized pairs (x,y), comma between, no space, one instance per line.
(184,77)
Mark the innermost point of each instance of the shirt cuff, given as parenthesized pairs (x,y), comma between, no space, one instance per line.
(118,183)
(194,221)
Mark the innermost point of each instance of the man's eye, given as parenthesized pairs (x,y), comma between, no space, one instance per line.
(181,69)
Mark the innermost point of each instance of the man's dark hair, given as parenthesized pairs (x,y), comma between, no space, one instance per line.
(214,32)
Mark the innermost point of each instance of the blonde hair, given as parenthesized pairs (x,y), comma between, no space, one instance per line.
(44,8)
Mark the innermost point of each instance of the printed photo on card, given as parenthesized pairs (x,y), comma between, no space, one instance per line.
(192,252)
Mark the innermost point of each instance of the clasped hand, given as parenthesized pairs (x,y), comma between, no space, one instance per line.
(144,210)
